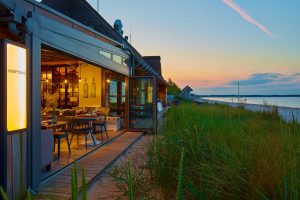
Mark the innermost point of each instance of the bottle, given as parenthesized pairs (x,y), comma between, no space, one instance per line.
(93,89)
(85,89)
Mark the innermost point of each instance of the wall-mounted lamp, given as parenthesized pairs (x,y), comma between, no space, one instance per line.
(66,81)
(80,80)
(108,81)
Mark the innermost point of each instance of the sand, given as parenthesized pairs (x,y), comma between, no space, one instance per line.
(287,114)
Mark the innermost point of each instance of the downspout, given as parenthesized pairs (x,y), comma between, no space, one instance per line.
(12,27)
(131,61)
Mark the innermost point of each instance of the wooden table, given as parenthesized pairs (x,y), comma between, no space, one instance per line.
(57,125)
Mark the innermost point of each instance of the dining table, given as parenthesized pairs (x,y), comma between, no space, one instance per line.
(54,126)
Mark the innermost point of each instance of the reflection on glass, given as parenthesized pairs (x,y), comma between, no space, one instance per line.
(113,88)
(106,54)
(118,59)
(141,103)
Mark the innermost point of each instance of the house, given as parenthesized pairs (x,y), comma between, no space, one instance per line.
(186,92)
(64,50)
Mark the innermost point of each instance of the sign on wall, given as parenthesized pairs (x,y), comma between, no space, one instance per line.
(16,87)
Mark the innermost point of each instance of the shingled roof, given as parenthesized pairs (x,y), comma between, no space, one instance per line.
(83,12)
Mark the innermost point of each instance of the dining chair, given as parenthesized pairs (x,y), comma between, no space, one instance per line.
(81,127)
(101,122)
(60,132)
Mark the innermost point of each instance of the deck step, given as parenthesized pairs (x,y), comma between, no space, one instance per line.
(95,163)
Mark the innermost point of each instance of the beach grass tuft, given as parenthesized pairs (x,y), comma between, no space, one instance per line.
(229,153)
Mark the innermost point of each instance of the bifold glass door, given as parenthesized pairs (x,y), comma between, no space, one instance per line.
(142,103)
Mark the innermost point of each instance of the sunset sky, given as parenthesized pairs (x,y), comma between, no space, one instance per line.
(210,44)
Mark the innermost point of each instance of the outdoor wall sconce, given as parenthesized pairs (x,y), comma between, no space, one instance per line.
(108,81)
(66,81)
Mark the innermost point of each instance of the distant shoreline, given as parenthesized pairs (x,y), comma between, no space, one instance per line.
(252,95)
(286,113)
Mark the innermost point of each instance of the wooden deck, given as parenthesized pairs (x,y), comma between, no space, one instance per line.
(60,185)
(77,151)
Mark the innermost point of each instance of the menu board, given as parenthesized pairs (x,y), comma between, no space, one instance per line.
(16,83)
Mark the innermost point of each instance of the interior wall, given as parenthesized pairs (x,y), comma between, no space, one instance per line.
(88,73)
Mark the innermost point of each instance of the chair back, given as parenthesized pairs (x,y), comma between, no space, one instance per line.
(104,111)
(80,126)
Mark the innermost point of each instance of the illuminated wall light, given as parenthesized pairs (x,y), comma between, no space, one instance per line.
(16,88)
(80,80)
(47,80)
(66,81)
(108,81)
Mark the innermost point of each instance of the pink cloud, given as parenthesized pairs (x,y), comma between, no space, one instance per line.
(247,17)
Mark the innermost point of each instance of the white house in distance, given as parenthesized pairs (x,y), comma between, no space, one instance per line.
(186,92)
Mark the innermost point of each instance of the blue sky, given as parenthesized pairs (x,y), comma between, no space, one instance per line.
(210,44)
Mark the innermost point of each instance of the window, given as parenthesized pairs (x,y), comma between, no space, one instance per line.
(125,62)
(106,54)
(117,97)
(118,59)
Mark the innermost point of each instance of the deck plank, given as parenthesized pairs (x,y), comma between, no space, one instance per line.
(60,185)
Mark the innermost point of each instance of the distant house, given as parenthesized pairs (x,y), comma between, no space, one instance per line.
(186,92)
(170,99)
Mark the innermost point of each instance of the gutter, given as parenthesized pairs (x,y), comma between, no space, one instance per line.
(131,63)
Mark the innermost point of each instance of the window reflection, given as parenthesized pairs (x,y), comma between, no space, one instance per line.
(117,97)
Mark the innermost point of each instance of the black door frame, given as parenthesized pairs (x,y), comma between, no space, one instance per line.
(155,91)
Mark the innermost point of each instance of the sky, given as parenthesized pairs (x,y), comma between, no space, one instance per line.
(211,44)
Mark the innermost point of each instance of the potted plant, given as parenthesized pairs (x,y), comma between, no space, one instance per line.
(51,102)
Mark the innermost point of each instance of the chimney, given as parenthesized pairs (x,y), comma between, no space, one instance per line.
(118,26)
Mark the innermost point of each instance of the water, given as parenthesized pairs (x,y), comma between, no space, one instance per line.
(293,102)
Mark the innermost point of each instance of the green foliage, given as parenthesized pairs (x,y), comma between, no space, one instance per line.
(180,177)
(229,153)
(2,193)
(28,195)
(74,183)
(173,89)
(74,193)
(130,182)
(84,186)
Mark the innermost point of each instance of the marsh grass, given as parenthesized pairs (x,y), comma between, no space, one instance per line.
(229,153)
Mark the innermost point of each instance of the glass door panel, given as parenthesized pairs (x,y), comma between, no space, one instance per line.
(142,102)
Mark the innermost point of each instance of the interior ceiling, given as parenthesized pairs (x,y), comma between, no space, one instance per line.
(51,57)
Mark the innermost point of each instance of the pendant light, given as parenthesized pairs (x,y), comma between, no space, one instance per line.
(79,73)
(47,81)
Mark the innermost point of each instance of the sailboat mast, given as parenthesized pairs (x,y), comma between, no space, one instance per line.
(238,89)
